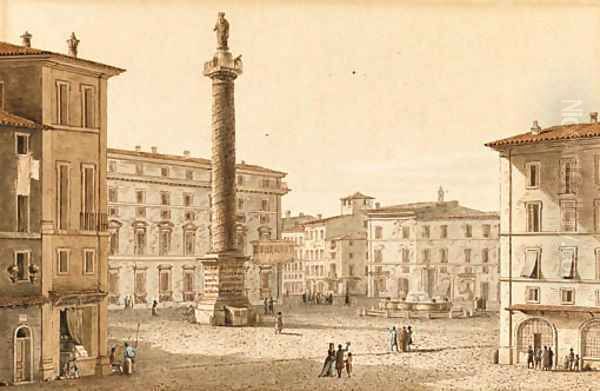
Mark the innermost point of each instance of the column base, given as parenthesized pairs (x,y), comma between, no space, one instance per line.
(225,312)
(48,370)
(505,355)
(103,367)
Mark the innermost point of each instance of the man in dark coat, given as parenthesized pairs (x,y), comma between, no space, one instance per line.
(550,358)
(545,359)
(271,307)
(266,304)
(530,358)
(339,360)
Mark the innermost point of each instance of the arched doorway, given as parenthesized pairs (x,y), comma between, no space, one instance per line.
(534,332)
(23,355)
(590,340)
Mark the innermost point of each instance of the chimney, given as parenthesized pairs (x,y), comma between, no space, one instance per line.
(301,214)
(243,162)
(138,148)
(594,117)
(154,149)
(288,213)
(377,205)
(319,216)
(535,128)
(186,153)
(73,42)
(26,39)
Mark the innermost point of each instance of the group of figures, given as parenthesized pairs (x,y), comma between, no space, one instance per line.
(317,298)
(401,339)
(544,359)
(337,361)
(127,365)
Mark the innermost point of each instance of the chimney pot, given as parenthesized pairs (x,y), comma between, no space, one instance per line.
(535,128)
(319,216)
(594,117)
(73,42)
(186,153)
(301,214)
(26,39)
(138,148)
(243,162)
(154,149)
(377,205)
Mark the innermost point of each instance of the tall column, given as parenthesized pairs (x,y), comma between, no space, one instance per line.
(224,301)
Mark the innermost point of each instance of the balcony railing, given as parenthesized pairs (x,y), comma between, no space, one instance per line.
(93,221)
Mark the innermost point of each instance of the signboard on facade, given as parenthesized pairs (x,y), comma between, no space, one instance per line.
(273,252)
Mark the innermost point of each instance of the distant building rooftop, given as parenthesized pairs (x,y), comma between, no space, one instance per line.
(357,196)
(553,133)
(8,119)
(432,211)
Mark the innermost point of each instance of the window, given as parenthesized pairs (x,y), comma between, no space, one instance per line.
(139,168)
(332,255)
(189,237)
(140,241)
(534,216)
(63,196)
(164,284)
(190,215)
(568,262)
(468,231)
(240,203)
(264,219)
(240,180)
(140,196)
(485,269)
(88,198)
(443,231)
(378,232)
(351,270)
(533,174)
(266,183)
(88,104)
(405,232)
(189,175)
(2,96)
(62,102)
(112,166)
(165,199)
(378,256)
(531,264)
(187,199)
(350,243)
(164,171)
(596,215)
(89,261)
(62,261)
(188,285)
(426,255)
(405,269)
(485,255)
(597,253)
(350,255)
(164,241)
(597,169)
(425,232)
(140,212)
(22,213)
(567,176)
(113,283)
(165,213)
(112,194)
(443,255)
(567,296)
(405,255)
(22,144)
(22,260)
(114,241)
(532,294)
(139,286)
(333,270)
(568,216)
(487,229)
(264,205)
(467,255)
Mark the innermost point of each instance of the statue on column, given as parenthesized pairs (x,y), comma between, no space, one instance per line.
(222,29)
(441,194)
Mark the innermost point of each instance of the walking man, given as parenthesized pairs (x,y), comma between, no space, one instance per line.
(271,310)
(393,338)
(266,304)
(545,359)
(538,358)
(339,361)
(550,358)
(571,364)
(530,358)
(154,308)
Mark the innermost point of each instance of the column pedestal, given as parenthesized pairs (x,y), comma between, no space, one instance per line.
(224,302)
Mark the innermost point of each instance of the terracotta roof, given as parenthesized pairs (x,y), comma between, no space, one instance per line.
(207,162)
(552,308)
(554,133)
(19,301)
(358,195)
(10,50)
(8,119)
(362,235)
(295,228)
(432,210)
(327,219)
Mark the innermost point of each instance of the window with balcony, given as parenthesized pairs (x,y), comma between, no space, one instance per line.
(164,283)
(533,174)
(568,262)
(532,295)
(90,219)
(22,262)
(164,241)
(567,296)
(189,293)
(189,238)
(568,216)
(140,241)
(531,263)
(534,216)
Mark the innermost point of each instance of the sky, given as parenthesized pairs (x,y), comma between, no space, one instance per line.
(393,99)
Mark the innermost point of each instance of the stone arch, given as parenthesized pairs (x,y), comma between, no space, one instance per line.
(589,339)
(537,332)
(22,355)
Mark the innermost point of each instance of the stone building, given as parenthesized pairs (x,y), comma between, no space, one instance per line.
(435,249)
(53,236)
(550,218)
(293,272)
(159,222)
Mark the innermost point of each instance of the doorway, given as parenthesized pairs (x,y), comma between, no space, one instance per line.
(23,355)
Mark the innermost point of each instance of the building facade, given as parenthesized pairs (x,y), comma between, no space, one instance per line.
(159,222)
(441,250)
(53,232)
(293,272)
(550,218)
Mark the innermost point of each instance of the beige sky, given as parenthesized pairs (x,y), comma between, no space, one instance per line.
(389,99)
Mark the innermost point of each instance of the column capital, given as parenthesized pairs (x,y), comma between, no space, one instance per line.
(223,66)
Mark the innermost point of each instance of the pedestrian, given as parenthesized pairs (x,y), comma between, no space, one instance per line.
(339,361)
(571,361)
(545,359)
(530,358)
(154,308)
(128,359)
(409,338)
(278,323)
(271,306)
(577,363)
(566,363)
(538,358)
(550,358)
(393,338)
(402,339)
(475,304)
(329,361)
(304,297)
(347,299)
(349,364)
(125,303)
(331,298)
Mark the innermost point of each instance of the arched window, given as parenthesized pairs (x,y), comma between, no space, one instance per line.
(590,340)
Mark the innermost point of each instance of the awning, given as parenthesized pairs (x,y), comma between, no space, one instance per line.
(530,265)
(552,308)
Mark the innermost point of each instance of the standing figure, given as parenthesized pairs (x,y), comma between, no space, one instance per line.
(125,302)
(347,299)
(538,358)
(222,29)
(278,323)
(409,338)
(271,306)
(545,359)
(571,361)
(530,358)
(349,364)
(154,308)
(128,359)
(402,339)
(393,338)
(577,365)
(266,304)
(339,361)
(550,358)
(329,361)
(304,297)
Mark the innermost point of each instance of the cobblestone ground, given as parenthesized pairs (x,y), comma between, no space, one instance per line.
(451,354)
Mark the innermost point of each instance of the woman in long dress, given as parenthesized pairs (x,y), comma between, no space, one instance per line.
(328,365)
